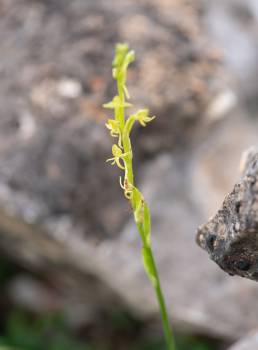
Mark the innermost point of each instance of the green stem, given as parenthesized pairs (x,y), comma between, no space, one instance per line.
(162,305)
(125,139)
(140,208)
(121,111)
(160,298)
(128,159)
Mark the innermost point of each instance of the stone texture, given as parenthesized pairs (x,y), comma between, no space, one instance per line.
(61,208)
(230,237)
(55,75)
(215,305)
(233,25)
(47,43)
(250,342)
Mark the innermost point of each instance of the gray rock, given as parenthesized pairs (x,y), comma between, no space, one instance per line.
(233,23)
(200,296)
(215,304)
(47,43)
(53,147)
(250,342)
(230,237)
(61,208)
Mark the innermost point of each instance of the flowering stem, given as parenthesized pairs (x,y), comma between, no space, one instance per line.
(162,306)
(123,157)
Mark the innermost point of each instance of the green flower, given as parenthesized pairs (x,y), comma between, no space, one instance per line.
(118,156)
(143,117)
(117,103)
(121,127)
(123,57)
(114,127)
(121,51)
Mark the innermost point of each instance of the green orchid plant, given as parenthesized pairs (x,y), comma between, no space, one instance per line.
(120,127)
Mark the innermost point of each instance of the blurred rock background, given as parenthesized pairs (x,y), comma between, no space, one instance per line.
(70,268)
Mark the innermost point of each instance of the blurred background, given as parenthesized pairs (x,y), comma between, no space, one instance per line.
(71,275)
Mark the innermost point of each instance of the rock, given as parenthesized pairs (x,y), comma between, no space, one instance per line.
(30,294)
(250,342)
(55,79)
(111,270)
(66,48)
(216,304)
(230,237)
(232,24)
(61,210)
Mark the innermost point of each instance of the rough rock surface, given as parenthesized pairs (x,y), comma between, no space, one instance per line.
(60,206)
(230,237)
(55,75)
(215,305)
(110,271)
(250,342)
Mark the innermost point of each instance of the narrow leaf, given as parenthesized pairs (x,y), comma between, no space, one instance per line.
(137,203)
(148,265)
(147,222)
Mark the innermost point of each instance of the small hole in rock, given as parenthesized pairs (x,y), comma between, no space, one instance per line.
(210,240)
(242,265)
(238,206)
